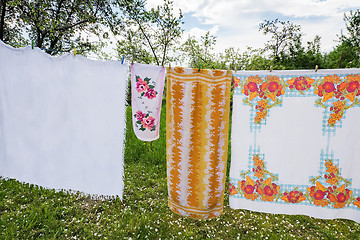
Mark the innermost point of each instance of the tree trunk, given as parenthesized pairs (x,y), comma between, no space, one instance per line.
(2,19)
(52,46)
(340,60)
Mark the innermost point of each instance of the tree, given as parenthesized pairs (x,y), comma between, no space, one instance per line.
(349,48)
(199,54)
(254,59)
(233,59)
(347,53)
(283,36)
(352,22)
(59,24)
(10,28)
(300,57)
(148,34)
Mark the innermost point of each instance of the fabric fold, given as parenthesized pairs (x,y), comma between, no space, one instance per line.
(198,105)
(147,86)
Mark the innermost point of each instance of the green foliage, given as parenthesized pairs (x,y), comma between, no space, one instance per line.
(199,54)
(287,50)
(56,24)
(284,35)
(10,28)
(347,53)
(256,60)
(148,35)
(59,24)
(342,56)
(300,57)
(352,22)
(31,212)
(151,36)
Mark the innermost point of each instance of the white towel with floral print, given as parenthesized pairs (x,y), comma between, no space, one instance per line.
(147,84)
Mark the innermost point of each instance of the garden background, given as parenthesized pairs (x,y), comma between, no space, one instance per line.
(152,36)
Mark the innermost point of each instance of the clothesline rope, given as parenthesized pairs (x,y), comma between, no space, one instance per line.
(51,50)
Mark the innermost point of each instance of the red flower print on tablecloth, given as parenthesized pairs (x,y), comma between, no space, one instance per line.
(232,189)
(268,190)
(337,196)
(247,188)
(334,193)
(259,167)
(357,202)
(293,196)
(332,86)
(267,91)
(265,189)
(316,195)
(144,121)
(326,87)
(300,84)
(338,110)
(333,173)
(250,87)
(236,82)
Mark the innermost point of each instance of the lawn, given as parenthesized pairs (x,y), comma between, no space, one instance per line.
(28,211)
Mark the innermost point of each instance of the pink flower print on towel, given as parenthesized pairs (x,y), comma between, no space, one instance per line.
(146,88)
(149,123)
(151,93)
(144,121)
(139,115)
(141,86)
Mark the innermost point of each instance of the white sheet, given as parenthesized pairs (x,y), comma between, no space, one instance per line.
(62,120)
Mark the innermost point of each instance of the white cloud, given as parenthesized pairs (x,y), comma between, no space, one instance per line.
(236,22)
(198,32)
(184,5)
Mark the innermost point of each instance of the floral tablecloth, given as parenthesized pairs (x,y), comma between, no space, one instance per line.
(295,143)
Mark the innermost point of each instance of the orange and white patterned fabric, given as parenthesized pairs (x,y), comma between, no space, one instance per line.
(198,105)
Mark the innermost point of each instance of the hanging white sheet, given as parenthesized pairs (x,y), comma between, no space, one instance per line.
(295,143)
(62,120)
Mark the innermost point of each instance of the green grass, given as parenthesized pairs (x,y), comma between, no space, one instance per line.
(29,212)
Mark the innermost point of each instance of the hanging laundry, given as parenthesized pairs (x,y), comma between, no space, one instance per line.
(147,85)
(62,120)
(198,104)
(295,143)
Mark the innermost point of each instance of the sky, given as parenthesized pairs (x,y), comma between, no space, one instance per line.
(235,23)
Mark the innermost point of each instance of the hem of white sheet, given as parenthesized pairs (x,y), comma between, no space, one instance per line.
(293,209)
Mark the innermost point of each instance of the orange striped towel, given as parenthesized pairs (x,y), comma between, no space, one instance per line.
(198,105)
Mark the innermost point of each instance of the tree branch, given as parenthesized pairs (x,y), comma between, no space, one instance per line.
(71,25)
(148,40)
